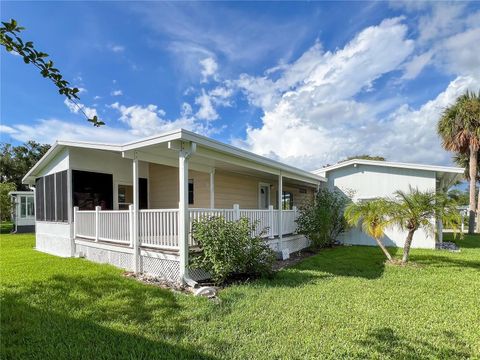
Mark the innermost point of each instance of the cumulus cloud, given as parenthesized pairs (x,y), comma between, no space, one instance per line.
(206,110)
(312,105)
(75,109)
(209,69)
(150,120)
(116,93)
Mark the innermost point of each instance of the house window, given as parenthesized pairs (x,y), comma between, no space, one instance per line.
(30,206)
(287,200)
(125,196)
(190,192)
(61,196)
(23,206)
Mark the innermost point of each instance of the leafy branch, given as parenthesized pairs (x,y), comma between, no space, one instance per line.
(10,39)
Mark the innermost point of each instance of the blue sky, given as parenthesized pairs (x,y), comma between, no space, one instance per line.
(306,83)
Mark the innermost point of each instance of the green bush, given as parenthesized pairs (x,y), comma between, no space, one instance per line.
(228,248)
(322,220)
(5,200)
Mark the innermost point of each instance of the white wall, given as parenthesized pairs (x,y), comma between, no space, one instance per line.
(54,238)
(367,182)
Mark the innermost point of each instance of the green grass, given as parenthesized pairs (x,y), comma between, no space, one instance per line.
(342,303)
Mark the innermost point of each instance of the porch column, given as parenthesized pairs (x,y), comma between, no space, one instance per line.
(212,189)
(183,216)
(136,250)
(280,211)
(439,218)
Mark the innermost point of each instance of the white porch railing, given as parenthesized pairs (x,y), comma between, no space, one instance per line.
(158,228)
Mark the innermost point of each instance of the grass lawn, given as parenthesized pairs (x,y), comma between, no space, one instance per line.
(341,303)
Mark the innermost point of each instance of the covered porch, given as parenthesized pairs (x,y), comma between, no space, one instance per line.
(188,177)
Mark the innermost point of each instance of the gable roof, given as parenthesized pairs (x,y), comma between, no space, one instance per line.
(435,168)
(179,134)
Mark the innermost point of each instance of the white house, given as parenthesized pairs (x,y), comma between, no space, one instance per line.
(23,211)
(368,179)
(131,205)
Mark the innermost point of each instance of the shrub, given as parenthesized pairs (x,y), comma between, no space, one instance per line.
(5,201)
(227,248)
(322,220)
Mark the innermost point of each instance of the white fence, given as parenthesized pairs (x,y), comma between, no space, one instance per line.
(158,228)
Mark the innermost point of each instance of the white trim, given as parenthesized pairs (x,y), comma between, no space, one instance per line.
(123,249)
(447,169)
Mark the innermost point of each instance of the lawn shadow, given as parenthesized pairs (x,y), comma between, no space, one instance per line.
(42,333)
(365,262)
(385,343)
(444,261)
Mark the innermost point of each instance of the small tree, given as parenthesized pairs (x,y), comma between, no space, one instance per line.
(228,247)
(5,201)
(373,217)
(322,220)
(416,209)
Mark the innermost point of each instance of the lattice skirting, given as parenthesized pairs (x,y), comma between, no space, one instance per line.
(168,269)
(116,258)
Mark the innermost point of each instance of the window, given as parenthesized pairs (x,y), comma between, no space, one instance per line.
(125,196)
(287,200)
(30,206)
(92,189)
(40,199)
(190,192)
(23,206)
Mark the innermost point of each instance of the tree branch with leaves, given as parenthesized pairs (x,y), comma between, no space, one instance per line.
(10,39)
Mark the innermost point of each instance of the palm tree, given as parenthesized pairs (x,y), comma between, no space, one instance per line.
(463,160)
(417,209)
(459,128)
(373,217)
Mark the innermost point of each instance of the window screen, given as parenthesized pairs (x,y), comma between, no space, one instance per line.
(39,199)
(61,196)
(92,189)
(50,197)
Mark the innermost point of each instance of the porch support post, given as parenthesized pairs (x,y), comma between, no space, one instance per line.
(280,211)
(136,250)
(183,215)
(212,188)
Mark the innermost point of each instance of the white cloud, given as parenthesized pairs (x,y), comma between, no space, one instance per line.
(4,129)
(116,48)
(75,109)
(149,120)
(50,130)
(116,93)
(206,110)
(209,69)
(448,38)
(311,115)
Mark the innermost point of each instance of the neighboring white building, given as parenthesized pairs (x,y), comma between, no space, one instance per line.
(368,179)
(23,211)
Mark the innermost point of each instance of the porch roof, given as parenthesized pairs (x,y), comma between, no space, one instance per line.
(210,154)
